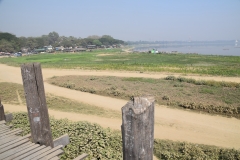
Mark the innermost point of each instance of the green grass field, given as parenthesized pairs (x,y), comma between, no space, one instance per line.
(115,59)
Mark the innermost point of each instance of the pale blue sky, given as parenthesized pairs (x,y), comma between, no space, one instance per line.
(124,19)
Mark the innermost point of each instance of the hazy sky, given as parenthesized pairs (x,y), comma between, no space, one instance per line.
(124,19)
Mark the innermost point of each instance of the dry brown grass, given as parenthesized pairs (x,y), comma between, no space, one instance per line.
(172,93)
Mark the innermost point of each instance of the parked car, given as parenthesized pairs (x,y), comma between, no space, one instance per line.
(19,54)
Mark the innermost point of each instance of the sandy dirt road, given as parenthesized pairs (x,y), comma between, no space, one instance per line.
(170,123)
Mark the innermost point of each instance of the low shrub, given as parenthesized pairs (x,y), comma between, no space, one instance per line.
(227,110)
(204,82)
(166,98)
(166,150)
(69,85)
(173,78)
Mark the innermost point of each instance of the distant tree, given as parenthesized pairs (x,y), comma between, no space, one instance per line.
(79,42)
(53,38)
(94,37)
(65,41)
(97,42)
(32,43)
(106,40)
(107,36)
(22,41)
(14,43)
(8,36)
(45,40)
(89,41)
(10,41)
(6,46)
(42,41)
(83,43)
(117,41)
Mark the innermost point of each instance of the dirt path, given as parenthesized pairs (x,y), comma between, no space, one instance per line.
(170,123)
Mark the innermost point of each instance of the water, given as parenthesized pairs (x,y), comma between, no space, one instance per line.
(227,50)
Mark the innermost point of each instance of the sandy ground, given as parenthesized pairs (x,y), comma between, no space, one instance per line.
(173,124)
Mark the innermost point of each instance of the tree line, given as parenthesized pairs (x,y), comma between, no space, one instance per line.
(11,43)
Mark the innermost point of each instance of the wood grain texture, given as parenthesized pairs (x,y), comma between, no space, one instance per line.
(2,114)
(36,104)
(81,157)
(63,140)
(9,117)
(138,128)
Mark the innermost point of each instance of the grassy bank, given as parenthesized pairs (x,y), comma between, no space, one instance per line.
(206,96)
(105,144)
(142,62)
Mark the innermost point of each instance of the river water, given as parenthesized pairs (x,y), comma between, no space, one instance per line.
(226,50)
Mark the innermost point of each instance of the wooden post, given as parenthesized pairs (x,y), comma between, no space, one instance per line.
(138,129)
(2,114)
(36,104)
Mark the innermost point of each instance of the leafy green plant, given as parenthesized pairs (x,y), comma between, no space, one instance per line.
(170,150)
(225,110)
(103,143)
(204,82)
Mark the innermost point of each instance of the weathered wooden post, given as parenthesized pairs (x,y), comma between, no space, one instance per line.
(138,129)
(2,114)
(36,104)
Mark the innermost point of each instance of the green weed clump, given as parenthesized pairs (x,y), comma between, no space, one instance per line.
(68,85)
(225,110)
(204,82)
(170,150)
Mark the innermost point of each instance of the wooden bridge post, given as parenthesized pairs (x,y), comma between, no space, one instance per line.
(138,129)
(36,104)
(2,114)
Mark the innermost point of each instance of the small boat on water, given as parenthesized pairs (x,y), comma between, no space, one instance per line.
(236,44)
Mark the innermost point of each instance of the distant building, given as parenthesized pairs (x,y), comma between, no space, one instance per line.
(48,48)
(44,49)
(91,46)
(68,49)
(80,49)
(24,50)
(61,48)
(39,50)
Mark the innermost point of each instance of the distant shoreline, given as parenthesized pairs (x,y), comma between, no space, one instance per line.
(222,50)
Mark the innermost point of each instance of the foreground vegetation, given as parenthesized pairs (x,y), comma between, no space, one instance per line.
(115,59)
(206,96)
(84,137)
(102,143)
